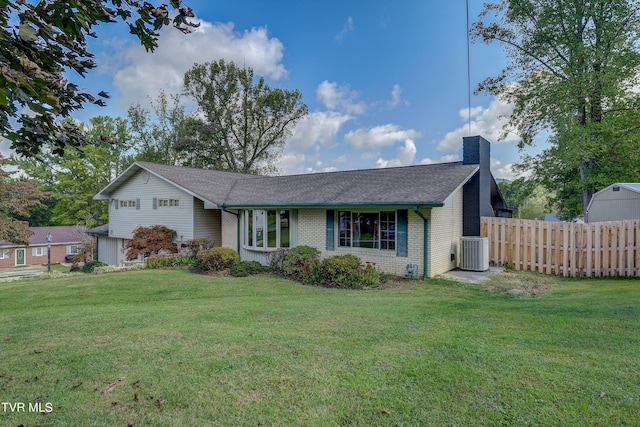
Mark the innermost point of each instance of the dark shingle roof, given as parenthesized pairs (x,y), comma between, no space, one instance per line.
(408,185)
(59,235)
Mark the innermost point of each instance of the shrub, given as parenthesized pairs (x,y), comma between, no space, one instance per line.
(365,276)
(88,267)
(216,259)
(296,259)
(246,268)
(163,261)
(336,270)
(311,273)
(275,259)
(196,245)
(108,269)
(150,241)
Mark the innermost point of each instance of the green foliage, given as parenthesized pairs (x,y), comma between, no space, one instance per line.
(155,136)
(531,199)
(246,268)
(169,261)
(245,123)
(17,199)
(216,259)
(296,259)
(73,179)
(43,41)
(310,274)
(365,276)
(90,266)
(150,241)
(572,72)
(336,270)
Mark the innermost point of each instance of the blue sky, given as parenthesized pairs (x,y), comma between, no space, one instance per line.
(385,82)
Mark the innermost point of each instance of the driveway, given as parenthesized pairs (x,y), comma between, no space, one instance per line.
(16,273)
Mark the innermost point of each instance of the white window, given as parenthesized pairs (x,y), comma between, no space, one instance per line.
(372,230)
(4,253)
(267,229)
(39,251)
(74,249)
(128,203)
(168,203)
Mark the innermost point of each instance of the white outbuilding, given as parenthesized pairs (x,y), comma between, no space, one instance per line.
(617,202)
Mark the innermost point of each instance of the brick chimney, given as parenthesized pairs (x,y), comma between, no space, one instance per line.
(477,191)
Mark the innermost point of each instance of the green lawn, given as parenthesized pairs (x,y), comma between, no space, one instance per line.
(200,351)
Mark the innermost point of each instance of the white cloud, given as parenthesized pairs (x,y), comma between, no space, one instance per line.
(346,29)
(341,98)
(396,96)
(405,156)
(379,136)
(487,122)
(502,170)
(448,158)
(317,129)
(144,74)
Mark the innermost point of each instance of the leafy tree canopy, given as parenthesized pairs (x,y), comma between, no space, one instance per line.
(17,199)
(242,123)
(573,66)
(40,41)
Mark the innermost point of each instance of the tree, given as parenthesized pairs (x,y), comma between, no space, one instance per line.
(150,241)
(156,140)
(42,41)
(572,67)
(73,179)
(244,122)
(17,199)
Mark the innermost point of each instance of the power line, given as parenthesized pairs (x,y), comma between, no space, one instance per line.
(468,70)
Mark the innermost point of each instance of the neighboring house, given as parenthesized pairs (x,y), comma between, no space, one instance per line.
(616,202)
(392,217)
(65,240)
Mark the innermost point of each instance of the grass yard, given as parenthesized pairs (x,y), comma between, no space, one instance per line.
(195,351)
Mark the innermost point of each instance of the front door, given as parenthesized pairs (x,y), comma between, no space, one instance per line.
(21,257)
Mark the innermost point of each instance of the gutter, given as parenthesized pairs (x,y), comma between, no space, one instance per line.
(426,241)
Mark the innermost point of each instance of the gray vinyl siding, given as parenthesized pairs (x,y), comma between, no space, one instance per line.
(109,250)
(145,188)
(206,223)
(612,205)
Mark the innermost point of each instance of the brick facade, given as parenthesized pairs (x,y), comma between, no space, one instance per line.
(58,252)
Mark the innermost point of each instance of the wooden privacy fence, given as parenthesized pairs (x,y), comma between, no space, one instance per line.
(598,249)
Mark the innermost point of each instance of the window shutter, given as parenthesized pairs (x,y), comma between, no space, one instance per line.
(330,229)
(117,203)
(155,203)
(401,233)
(137,204)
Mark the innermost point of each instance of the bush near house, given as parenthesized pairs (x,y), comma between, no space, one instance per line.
(216,259)
(168,261)
(150,241)
(297,258)
(246,268)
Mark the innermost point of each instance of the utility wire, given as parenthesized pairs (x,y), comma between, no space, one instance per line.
(468,70)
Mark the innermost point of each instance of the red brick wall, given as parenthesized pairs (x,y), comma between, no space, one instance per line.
(58,252)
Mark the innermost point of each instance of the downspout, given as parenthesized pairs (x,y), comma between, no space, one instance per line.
(426,241)
(224,209)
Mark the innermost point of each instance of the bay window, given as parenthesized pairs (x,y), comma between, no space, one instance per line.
(266,229)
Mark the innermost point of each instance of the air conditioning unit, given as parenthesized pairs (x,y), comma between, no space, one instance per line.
(474,253)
